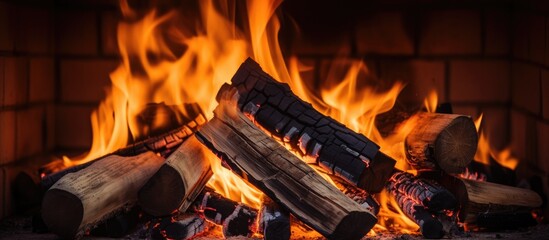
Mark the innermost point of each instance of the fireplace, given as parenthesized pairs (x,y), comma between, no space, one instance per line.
(486,57)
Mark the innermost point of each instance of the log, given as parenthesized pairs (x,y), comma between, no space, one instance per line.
(430,226)
(163,144)
(288,181)
(186,226)
(274,221)
(317,138)
(236,218)
(83,199)
(429,194)
(494,173)
(441,141)
(118,225)
(476,197)
(363,198)
(178,181)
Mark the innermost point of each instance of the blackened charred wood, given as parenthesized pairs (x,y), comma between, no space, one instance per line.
(119,225)
(236,218)
(164,145)
(186,226)
(274,221)
(494,172)
(358,195)
(430,226)
(428,193)
(441,141)
(290,182)
(319,139)
(178,181)
(80,200)
(505,220)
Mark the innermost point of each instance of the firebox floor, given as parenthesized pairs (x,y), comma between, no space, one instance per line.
(20,228)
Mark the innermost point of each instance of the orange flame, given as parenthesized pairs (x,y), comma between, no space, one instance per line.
(485,151)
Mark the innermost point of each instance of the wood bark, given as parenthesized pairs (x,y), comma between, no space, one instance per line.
(81,200)
(476,197)
(431,195)
(163,144)
(441,141)
(274,221)
(236,218)
(290,182)
(319,139)
(179,181)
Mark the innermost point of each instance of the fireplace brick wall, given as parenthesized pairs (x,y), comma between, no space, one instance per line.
(485,56)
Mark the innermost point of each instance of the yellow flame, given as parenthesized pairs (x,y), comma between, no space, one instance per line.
(431,101)
(485,151)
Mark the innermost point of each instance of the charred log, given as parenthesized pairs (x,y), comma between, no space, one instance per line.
(178,182)
(119,225)
(429,194)
(83,199)
(237,219)
(358,195)
(290,182)
(441,141)
(274,221)
(164,145)
(186,226)
(317,138)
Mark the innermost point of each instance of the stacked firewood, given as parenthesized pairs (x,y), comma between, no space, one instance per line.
(275,141)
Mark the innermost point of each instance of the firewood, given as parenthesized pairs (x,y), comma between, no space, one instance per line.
(163,144)
(288,181)
(186,226)
(236,218)
(358,195)
(319,139)
(476,197)
(274,221)
(178,182)
(494,173)
(118,225)
(428,193)
(441,141)
(430,226)
(82,199)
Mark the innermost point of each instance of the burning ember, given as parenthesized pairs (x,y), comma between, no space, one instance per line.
(175,60)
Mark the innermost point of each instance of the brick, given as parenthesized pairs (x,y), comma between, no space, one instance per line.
(42,84)
(7,137)
(529,37)
(85,80)
(30,132)
(323,46)
(73,127)
(466,109)
(34,32)
(497,27)
(420,76)
(385,33)
(523,136)
(543,142)
(495,122)
(479,81)
(545,93)
(15,81)
(455,32)
(109,24)
(76,32)
(6,208)
(526,87)
(6,27)
(50,127)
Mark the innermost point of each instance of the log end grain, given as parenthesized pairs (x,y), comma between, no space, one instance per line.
(62,212)
(354,226)
(456,145)
(157,199)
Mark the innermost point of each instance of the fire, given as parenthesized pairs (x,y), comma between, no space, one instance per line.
(485,152)
(155,69)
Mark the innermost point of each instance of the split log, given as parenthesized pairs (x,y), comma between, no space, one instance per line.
(319,139)
(237,219)
(290,182)
(274,221)
(81,200)
(441,141)
(179,181)
(430,226)
(163,144)
(429,194)
(476,197)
